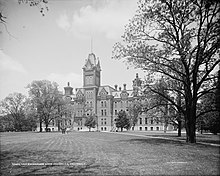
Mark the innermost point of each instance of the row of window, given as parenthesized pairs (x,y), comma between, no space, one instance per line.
(103,129)
(151,128)
(103,112)
(103,121)
(103,104)
(120,104)
(146,121)
(89,94)
(64,122)
(116,111)
(89,103)
(79,113)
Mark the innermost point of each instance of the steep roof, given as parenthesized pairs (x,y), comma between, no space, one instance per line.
(107,89)
(92,62)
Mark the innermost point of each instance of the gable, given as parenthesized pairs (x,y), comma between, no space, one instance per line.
(88,65)
(103,92)
(124,95)
(79,93)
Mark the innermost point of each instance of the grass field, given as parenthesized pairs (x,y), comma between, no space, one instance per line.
(99,153)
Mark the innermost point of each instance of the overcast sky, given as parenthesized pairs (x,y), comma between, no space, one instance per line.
(55,46)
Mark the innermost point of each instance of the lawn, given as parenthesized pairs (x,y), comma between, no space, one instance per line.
(99,153)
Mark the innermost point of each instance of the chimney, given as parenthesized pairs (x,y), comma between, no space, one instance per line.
(124,86)
(116,86)
(68,90)
(119,88)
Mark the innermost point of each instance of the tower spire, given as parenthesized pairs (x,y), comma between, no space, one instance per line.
(91,45)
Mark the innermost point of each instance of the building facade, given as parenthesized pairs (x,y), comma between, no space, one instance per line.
(104,101)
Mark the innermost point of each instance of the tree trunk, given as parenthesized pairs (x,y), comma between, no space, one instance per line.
(165,128)
(179,120)
(191,124)
(121,129)
(41,125)
(179,128)
(46,124)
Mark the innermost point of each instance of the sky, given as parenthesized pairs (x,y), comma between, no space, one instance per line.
(55,46)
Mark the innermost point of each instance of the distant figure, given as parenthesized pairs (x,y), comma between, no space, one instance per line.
(63,130)
(67,130)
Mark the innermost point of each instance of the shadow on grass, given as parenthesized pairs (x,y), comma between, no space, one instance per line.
(154,141)
(62,163)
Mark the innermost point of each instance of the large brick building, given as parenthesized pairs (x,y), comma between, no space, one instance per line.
(104,101)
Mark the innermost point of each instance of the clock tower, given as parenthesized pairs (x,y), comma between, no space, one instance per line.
(91,72)
(91,82)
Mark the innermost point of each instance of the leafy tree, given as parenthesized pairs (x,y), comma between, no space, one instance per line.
(209,118)
(217,92)
(6,123)
(177,39)
(90,122)
(41,4)
(18,114)
(134,109)
(122,121)
(171,115)
(14,106)
(65,110)
(46,98)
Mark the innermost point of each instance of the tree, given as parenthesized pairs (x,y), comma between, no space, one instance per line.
(65,111)
(177,39)
(217,92)
(46,98)
(90,122)
(209,118)
(15,110)
(122,121)
(6,123)
(134,109)
(41,4)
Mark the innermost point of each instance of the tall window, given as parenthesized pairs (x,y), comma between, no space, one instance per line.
(115,104)
(53,122)
(105,112)
(140,121)
(152,121)
(145,120)
(102,112)
(116,112)
(101,103)
(105,103)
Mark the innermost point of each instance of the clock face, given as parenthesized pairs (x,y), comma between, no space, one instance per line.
(89,80)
